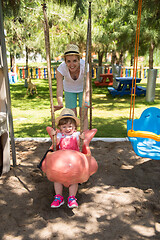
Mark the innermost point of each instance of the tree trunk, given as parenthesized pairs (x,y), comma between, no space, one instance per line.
(114,57)
(151,50)
(26,69)
(26,73)
(121,58)
(12,62)
(100,58)
(132,60)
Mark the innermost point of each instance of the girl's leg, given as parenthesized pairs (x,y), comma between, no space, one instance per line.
(72,201)
(58,199)
(73,189)
(58,187)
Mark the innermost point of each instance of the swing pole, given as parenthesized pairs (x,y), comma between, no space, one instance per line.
(135,62)
(90,63)
(47,46)
(84,87)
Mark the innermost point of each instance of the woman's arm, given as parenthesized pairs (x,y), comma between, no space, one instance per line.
(59,78)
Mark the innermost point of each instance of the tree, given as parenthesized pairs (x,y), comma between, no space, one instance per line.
(21,30)
(100,35)
(151,22)
(26,29)
(10,7)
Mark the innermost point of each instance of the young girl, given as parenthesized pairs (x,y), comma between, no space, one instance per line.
(67,138)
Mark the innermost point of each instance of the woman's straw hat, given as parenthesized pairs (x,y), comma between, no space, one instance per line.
(67,113)
(71,49)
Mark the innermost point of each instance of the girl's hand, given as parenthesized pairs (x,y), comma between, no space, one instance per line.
(82,136)
(58,107)
(53,132)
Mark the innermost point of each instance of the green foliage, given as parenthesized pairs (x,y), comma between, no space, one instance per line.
(11,7)
(113,26)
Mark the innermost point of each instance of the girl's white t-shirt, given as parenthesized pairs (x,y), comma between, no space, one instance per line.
(61,135)
(70,85)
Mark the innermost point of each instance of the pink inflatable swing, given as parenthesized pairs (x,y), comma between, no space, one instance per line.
(69,166)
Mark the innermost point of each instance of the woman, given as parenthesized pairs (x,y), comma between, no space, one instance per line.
(70,77)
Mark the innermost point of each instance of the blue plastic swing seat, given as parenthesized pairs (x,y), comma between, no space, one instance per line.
(148,123)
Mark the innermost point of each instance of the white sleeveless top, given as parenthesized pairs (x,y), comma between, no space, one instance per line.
(70,85)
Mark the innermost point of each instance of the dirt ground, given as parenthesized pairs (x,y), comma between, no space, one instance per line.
(120,201)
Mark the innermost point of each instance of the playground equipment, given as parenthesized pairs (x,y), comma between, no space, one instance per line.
(4,135)
(143,133)
(145,137)
(69,166)
(5,107)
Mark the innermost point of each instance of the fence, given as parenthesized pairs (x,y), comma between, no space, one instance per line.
(128,71)
(41,73)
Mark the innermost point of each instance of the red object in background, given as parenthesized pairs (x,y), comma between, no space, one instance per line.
(107,80)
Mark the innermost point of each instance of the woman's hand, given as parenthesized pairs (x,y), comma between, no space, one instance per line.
(58,107)
(87,104)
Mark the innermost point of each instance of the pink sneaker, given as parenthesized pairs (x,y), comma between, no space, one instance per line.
(58,201)
(72,203)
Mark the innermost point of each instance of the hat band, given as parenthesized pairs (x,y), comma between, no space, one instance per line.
(67,115)
(71,52)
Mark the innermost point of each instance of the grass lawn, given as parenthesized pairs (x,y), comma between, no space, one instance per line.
(31,114)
